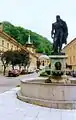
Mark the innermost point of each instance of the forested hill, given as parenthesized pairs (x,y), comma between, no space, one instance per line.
(41,43)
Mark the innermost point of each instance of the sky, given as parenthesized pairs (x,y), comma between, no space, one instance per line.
(38,15)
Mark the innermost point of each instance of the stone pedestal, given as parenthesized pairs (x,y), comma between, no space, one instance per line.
(58,66)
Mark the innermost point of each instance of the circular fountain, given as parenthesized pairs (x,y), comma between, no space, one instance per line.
(54,95)
(58,92)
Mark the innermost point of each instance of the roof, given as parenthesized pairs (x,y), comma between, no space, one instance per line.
(44,56)
(12,40)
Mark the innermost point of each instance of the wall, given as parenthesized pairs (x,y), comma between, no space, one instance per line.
(70,51)
(6,45)
(33,64)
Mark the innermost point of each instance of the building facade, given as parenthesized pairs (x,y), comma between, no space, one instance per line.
(8,43)
(70,51)
(29,46)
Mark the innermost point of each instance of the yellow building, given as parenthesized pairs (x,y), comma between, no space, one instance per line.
(8,43)
(33,57)
(70,50)
(44,59)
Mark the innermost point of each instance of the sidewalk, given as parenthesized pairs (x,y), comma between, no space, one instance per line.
(13,109)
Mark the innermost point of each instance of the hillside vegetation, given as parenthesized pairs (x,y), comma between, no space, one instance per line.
(42,44)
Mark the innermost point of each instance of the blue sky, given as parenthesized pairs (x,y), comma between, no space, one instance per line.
(38,15)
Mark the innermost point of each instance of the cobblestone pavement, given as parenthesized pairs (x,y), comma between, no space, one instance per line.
(13,109)
(6,83)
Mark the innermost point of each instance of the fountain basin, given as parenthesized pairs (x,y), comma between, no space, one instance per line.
(53,95)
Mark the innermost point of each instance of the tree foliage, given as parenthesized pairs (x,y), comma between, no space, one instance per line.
(13,58)
(41,43)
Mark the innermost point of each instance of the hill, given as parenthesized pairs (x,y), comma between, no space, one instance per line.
(41,43)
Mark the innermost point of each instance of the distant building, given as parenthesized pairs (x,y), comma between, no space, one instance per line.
(8,43)
(44,60)
(33,57)
(29,45)
(70,50)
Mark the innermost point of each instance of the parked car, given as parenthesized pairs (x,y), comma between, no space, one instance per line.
(14,73)
(73,73)
(23,72)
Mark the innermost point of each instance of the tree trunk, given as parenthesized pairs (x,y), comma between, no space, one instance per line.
(19,67)
(4,71)
(25,67)
(13,67)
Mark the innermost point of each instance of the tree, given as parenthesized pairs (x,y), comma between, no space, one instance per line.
(5,58)
(24,59)
(38,64)
(15,58)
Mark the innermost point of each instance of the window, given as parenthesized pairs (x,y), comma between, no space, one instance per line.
(73,58)
(8,45)
(12,47)
(43,63)
(74,47)
(70,60)
(2,42)
(15,48)
(2,49)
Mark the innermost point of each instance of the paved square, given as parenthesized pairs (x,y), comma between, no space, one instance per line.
(13,109)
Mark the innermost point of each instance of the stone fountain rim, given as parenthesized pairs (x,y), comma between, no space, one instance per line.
(31,81)
(47,103)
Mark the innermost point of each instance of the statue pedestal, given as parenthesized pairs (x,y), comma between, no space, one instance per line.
(58,68)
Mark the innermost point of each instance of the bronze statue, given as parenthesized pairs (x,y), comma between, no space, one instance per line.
(59,34)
